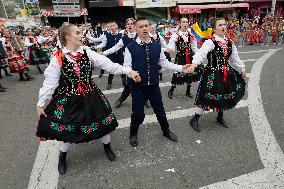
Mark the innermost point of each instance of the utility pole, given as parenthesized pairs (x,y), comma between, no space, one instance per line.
(4,9)
(135,10)
(273,7)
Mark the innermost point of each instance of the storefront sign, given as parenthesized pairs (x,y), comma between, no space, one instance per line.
(65,1)
(66,7)
(155,3)
(103,3)
(67,14)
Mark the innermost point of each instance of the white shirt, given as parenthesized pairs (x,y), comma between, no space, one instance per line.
(184,35)
(163,62)
(53,71)
(28,43)
(119,45)
(208,46)
(94,39)
(41,39)
(162,40)
(3,40)
(104,41)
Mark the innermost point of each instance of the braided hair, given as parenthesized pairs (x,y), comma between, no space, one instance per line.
(63,31)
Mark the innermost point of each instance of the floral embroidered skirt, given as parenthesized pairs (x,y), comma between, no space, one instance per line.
(220,93)
(186,78)
(77,118)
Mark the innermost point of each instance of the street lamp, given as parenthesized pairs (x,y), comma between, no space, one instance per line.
(273,7)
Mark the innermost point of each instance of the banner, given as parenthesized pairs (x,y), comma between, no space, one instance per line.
(32,7)
(155,3)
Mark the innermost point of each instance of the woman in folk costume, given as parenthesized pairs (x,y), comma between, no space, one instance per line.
(3,60)
(250,34)
(186,46)
(222,85)
(232,30)
(16,57)
(274,33)
(3,64)
(157,37)
(45,41)
(35,54)
(78,112)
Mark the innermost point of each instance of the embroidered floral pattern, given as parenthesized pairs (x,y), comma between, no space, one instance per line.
(228,96)
(105,100)
(60,127)
(60,108)
(87,129)
(210,81)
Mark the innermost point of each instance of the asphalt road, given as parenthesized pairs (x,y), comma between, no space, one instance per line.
(222,154)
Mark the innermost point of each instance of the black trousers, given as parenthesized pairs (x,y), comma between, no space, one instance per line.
(140,94)
(127,89)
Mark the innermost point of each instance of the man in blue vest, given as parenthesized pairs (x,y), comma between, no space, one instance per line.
(145,55)
(111,39)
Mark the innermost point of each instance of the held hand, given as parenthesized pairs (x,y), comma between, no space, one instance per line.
(40,111)
(186,68)
(244,75)
(135,76)
(192,68)
(169,50)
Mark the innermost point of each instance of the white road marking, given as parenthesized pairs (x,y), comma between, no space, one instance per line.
(123,123)
(45,173)
(248,52)
(250,60)
(119,90)
(271,155)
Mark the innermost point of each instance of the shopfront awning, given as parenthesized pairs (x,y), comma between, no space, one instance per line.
(126,3)
(189,9)
(103,3)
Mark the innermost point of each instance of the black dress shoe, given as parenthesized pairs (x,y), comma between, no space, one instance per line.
(22,78)
(194,124)
(170,94)
(189,95)
(28,76)
(108,86)
(118,103)
(62,163)
(101,75)
(110,154)
(133,141)
(1,86)
(40,71)
(8,74)
(170,135)
(147,104)
(2,90)
(222,122)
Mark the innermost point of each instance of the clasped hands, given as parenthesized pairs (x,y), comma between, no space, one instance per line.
(188,68)
(135,76)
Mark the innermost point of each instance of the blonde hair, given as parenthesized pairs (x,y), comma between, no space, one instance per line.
(63,31)
(130,19)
